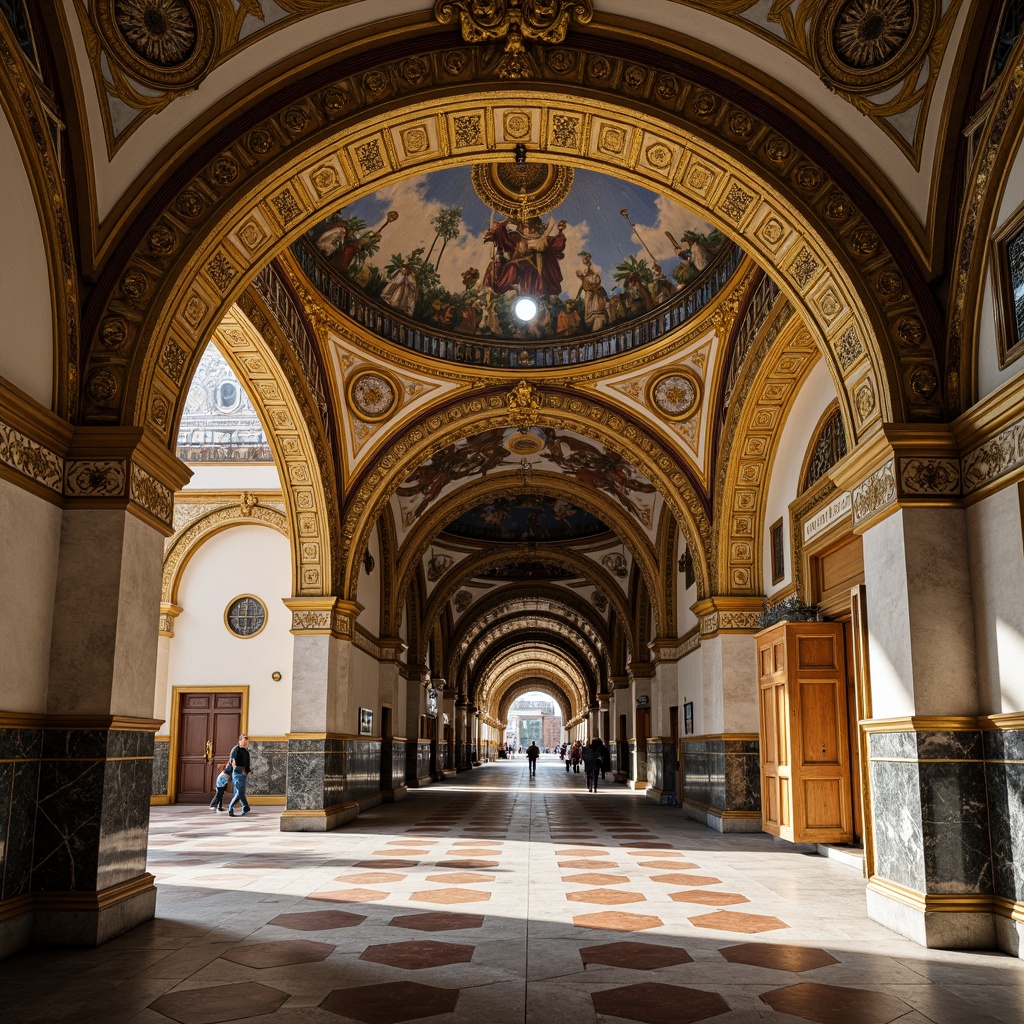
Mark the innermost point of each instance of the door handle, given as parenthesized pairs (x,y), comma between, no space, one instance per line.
(208,754)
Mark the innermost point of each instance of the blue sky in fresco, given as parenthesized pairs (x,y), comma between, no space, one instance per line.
(591,210)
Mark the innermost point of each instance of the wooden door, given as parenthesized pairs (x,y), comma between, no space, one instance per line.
(643,732)
(672,761)
(776,802)
(208,727)
(805,761)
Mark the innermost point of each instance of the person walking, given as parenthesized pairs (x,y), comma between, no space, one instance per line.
(577,755)
(217,803)
(532,753)
(591,755)
(603,755)
(241,765)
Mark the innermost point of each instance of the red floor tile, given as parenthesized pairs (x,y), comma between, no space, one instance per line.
(418,954)
(639,956)
(391,1002)
(655,1003)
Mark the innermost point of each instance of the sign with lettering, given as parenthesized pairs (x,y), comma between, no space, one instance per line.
(835,510)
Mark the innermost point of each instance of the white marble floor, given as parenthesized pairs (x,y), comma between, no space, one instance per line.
(493,897)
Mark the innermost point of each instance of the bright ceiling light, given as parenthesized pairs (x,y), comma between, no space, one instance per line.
(525,308)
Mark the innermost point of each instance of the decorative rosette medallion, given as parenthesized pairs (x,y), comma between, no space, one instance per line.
(676,395)
(373,395)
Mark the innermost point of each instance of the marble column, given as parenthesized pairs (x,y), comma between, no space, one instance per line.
(461,734)
(640,688)
(322,715)
(720,765)
(393,746)
(447,736)
(661,754)
(161,750)
(931,855)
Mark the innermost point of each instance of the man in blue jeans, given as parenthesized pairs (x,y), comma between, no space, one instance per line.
(240,766)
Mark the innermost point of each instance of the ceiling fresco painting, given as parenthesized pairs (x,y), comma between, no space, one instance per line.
(453,249)
(526,518)
(538,450)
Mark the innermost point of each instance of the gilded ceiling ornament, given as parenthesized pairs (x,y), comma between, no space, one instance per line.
(167,44)
(373,395)
(676,395)
(522,190)
(539,21)
(524,402)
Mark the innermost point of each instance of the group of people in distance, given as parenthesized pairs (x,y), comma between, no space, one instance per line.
(594,756)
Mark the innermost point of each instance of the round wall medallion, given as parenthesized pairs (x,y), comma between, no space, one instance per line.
(676,395)
(245,616)
(862,45)
(169,44)
(373,395)
(515,189)
(524,444)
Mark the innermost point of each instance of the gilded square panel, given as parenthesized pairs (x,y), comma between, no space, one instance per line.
(325,180)
(517,124)
(566,130)
(611,140)
(370,157)
(771,228)
(192,313)
(828,302)
(467,130)
(699,178)
(416,140)
(659,156)
(252,235)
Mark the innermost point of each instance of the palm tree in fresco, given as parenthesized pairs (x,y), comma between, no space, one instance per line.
(446,226)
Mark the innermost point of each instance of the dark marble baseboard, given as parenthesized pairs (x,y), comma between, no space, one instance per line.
(161,767)
(1004,781)
(721,773)
(270,767)
(930,810)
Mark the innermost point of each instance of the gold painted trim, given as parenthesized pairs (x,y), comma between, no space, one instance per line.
(932,903)
(21,720)
(1013,720)
(1013,909)
(921,723)
(268,799)
(730,736)
(93,901)
(266,616)
(175,727)
(1008,351)
(15,907)
(319,812)
(718,812)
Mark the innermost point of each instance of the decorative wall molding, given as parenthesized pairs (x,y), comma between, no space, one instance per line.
(727,614)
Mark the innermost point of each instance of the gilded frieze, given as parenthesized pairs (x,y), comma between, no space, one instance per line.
(705,177)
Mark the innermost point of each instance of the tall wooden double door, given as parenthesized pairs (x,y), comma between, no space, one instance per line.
(208,727)
(806,784)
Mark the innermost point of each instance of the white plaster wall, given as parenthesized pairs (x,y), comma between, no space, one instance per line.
(920,645)
(240,560)
(363,691)
(369,588)
(685,619)
(26,334)
(990,376)
(233,477)
(997,583)
(29,548)
(729,684)
(690,680)
(784,481)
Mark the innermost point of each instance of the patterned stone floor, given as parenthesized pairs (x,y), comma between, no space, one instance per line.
(494,898)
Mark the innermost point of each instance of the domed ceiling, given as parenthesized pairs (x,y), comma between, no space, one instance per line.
(437,262)
(526,518)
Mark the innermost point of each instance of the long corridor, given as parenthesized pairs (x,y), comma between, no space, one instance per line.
(497,898)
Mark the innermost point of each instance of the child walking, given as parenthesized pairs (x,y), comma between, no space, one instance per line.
(222,783)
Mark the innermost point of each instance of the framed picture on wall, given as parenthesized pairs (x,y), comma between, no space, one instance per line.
(1008,274)
(778,546)
(688,719)
(365,722)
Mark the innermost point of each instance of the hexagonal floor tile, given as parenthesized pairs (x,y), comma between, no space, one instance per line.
(640,956)
(617,921)
(438,921)
(318,920)
(678,865)
(778,957)
(732,921)
(581,853)
(383,863)
(461,877)
(607,897)
(219,1003)
(594,878)
(835,1004)
(371,877)
(647,846)
(350,896)
(468,865)
(677,878)
(587,864)
(448,896)
(708,899)
(280,954)
(391,1002)
(418,953)
(656,1003)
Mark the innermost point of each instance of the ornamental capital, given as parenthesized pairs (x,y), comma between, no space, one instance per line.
(539,21)
(524,402)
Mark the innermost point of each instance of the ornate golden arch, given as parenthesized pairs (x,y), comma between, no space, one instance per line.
(516,690)
(583,415)
(520,666)
(749,444)
(641,119)
(306,482)
(203,529)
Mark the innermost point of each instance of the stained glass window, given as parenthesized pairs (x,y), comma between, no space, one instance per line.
(246,616)
(829,447)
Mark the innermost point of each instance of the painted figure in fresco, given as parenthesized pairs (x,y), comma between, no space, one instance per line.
(526,257)
(602,470)
(402,291)
(473,302)
(476,456)
(595,298)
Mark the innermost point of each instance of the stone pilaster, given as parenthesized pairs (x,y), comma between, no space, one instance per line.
(720,767)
